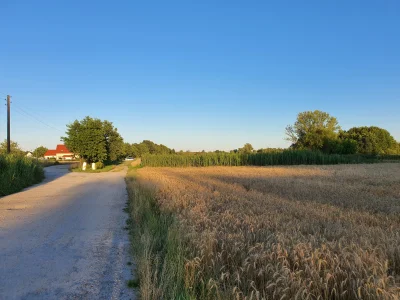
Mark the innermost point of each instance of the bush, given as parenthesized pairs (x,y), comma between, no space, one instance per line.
(17,173)
(339,146)
(99,165)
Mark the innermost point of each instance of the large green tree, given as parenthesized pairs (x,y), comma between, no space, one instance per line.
(371,140)
(94,140)
(312,130)
(39,151)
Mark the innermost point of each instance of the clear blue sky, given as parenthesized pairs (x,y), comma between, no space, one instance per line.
(198,74)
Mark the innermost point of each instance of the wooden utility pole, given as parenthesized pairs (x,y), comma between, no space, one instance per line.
(8,125)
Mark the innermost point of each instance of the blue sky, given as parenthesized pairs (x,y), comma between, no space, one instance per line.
(198,74)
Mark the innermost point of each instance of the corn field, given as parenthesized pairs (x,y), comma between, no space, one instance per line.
(18,172)
(300,232)
(287,157)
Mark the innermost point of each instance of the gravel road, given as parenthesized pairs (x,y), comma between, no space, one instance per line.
(65,238)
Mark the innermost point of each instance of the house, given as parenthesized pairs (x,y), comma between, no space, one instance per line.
(28,154)
(61,153)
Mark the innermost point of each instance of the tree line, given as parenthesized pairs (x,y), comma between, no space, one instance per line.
(146,147)
(99,141)
(15,149)
(319,131)
(96,140)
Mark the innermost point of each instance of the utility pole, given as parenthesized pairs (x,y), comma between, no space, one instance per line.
(8,125)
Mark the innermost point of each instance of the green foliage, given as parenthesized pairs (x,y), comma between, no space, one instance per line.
(395,150)
(17,173)
(339,146)
(94,140)
(146,147)
(39,151)
(270,150)
(99,165)
(286,157)
(371,140)
(312,129)
(348,146)
(14,147)
(246,149)
(114,142)
(316,130)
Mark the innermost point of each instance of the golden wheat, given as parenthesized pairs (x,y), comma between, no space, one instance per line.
(329,232)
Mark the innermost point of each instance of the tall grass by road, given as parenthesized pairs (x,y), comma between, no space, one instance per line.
(300,232)
(17,173)
(157,245)
(285,157)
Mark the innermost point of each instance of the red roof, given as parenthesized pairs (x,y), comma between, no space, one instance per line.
(62,149)
(59,150)
(50,153)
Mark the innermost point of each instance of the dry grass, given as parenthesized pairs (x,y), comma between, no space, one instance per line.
(329,232)
(136,162)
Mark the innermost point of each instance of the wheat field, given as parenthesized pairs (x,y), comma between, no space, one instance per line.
(303,232)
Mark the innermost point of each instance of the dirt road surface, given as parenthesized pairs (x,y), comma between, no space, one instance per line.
(65,238)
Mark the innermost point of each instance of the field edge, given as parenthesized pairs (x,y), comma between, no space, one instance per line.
(157,245)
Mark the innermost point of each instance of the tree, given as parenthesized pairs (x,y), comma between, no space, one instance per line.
(371,140)
(151,146)
(142,149)
(146,146)
(134,150)
(94,140)
(39,151)
(312,129)
(246,149)
(114,142)
(14,147)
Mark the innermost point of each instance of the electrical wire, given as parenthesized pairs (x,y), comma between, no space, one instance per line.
(34,115)
(23,112)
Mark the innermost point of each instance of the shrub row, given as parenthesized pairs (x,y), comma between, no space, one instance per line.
(287,157)
(18,172)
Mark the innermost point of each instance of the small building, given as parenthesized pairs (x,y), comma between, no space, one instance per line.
(61,153)
(28,154)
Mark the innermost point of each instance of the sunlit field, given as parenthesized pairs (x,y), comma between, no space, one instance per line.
(303,232)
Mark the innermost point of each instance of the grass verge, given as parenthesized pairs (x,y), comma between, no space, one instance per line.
(157,245)
(89,170)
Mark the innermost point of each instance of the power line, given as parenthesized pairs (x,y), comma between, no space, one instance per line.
(24,112)
(37,117)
